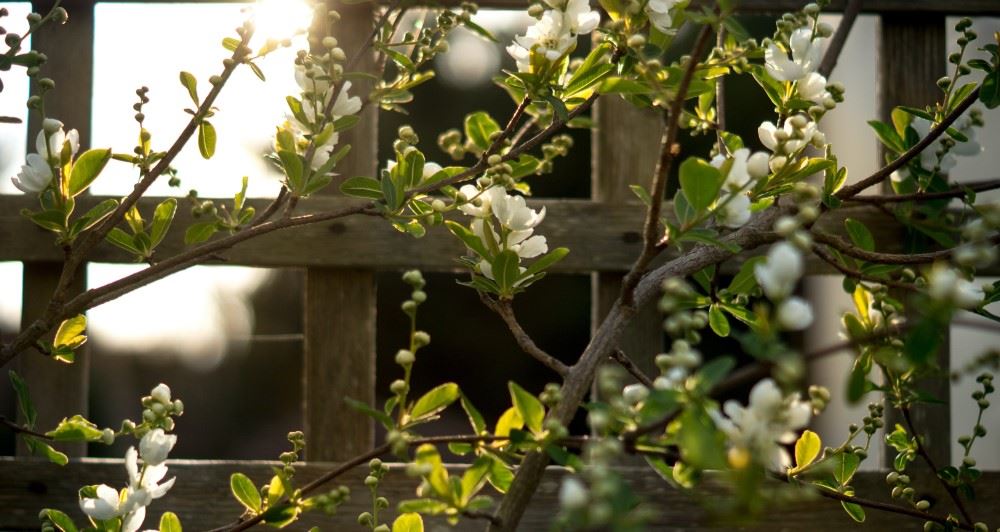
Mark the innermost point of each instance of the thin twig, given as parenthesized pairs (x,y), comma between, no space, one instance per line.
(876,505)
(23,430)
(836,45)
(881,174)
(844,247)
(505,310)
(922,451)
(668,152)
(955,192)
(857,274)
(624,361)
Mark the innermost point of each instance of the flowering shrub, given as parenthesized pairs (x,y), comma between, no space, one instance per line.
(731,199)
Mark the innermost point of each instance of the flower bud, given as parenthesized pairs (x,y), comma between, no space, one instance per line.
(405,357)
(107,436)
(421,338)
(757,165)
(636,41)
(51,125)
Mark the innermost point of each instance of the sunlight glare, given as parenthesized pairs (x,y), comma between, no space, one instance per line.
(281,19)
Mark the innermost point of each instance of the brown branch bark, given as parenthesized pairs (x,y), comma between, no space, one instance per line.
(846,248)
(956,192)
(624,361)
(836,45)
(881,174)
(505,310)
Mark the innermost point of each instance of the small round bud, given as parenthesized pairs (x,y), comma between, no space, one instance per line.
(419,296)
(398,387)
(371,481)
(215,80)
(405,357)
(329,42)
(337,54)
(107,436)
(922,505)
(636,41)
(365,519)
(421,338)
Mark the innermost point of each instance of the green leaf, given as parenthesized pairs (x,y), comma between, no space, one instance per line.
(855,511)
(408,522)
(99,212)
(479,30)
(123,240)
(641,194)
(61,521)
(23,399)
(585,77)
(616,85)
(206,139)
(479,126)
(558,107)
(468,237)
(845,464)
(700,182)
(475,418)
(40,448)
(888,135)
(807,449)
(275,490)
(745,281)
(189,81)
(170,523)
(859,234)
(199,232)
(281,516)
(76,428)
(162,217)
(362,187)
(531,410)
(545,261)
(256,70)
(245,492)
(292,164)
(989,92)
(70,332)
(474,477)
(857,382)
(714,371)
(506,271)
(435,400)
(86,168)
(373,413)
(509,420)
(718,321)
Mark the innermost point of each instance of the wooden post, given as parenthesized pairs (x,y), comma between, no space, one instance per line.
(340,303)
(59,390)
(625,145)
(911,58)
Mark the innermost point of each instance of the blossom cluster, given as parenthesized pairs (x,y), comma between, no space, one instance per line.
(515,220)
(777,277)
(309,122)
(53,148)
(554,36)
(733,204)
(145,482)
(769,419)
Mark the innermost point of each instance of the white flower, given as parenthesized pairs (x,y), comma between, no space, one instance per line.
(56,142)
(738,176)
(929,158)
(757,165)
(813,87)
(34,176)
(659,14)
(806,56)
(155,446)
(345,104)
(161,393)
(768,419)
(735,212)
(470,207)
(780,272)
(635,393)
(529,247)
(550,37)
(134,519)
(790,138)
(309,80)
(513,213)
(580,19)
(794,314)
(573,494)
(945,285)
(105,506)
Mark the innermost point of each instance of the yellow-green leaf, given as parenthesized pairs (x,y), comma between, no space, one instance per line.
(70,333)
(169,522)
(807,449)
(408,522)
(245,492)
(86,168)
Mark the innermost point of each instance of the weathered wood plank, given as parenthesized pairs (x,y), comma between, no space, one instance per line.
(967,7)
(625,147)
(340,303)
(600,238)
(911,58)
(202,500)
(59,389)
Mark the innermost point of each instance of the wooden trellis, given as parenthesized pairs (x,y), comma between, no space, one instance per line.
(340,288)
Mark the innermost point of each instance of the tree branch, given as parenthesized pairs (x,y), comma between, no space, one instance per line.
(505,310)
(17,428)
(922,451)
(844,247)
(856,274)
(881,174)
(668,152)
(622,359)
(956,192)
(836,45)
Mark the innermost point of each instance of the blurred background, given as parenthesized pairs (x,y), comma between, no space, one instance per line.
(222,336)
